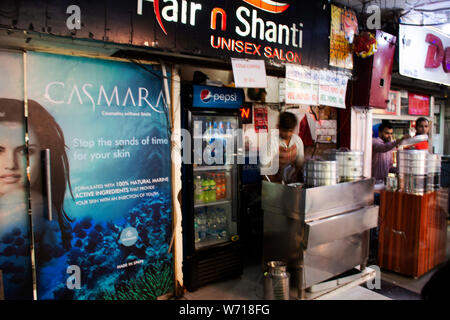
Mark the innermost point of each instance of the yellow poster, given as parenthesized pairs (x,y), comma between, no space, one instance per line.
(344,26)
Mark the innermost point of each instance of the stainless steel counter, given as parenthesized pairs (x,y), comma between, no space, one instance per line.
(319,232)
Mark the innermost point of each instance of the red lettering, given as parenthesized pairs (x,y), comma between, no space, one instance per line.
(290,56)
(226,43)
(281,55)
(435,54)
(223,14)
(276,54)
(239,46)
(257,49)
(248,48)
(212,42)
(268,52)
(245,113)
(446,62)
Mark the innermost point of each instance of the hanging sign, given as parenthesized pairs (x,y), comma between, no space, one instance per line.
(344,26)
(249,73)
(418,104)
(315,87)
(332,89)
(261,119)
(302,85)
(424,53)
(393,106)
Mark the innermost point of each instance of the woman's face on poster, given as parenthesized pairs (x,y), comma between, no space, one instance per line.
(13,157)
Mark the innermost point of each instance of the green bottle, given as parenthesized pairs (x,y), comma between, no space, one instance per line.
(198,190)
(205,189)
(212,189)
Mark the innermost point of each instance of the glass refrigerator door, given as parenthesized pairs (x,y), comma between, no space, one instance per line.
(215,180)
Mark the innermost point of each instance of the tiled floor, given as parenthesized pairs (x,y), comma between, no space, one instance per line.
(249,286)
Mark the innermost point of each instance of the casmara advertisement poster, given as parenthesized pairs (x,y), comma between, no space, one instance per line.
(108,232)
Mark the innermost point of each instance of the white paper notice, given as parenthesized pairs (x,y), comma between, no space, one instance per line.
(302,85)
(249,73)
(332,89)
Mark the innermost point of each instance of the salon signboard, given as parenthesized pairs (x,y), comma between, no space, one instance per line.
(276,31)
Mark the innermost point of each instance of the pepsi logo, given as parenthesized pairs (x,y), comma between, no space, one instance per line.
(205,95)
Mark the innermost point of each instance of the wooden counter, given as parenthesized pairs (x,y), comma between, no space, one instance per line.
(413,232)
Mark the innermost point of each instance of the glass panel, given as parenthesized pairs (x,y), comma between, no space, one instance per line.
(214,224)
(212,186)
(211,135)
(215,180)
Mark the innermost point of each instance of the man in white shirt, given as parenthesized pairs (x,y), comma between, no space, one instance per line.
(290,151)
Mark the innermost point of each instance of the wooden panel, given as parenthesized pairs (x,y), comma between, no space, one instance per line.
(412,235)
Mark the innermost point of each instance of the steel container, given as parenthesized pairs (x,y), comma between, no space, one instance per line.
(416,184)
(320,173)
(434,163)
(320,232)
(433,181)
(276,281)
(413,162)
(350,164)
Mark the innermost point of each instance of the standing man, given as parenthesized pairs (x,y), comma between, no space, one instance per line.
(422,128)
(290,149)
(383,151)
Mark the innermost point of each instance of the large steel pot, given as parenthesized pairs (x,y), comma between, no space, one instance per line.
(320,173)
(350,164)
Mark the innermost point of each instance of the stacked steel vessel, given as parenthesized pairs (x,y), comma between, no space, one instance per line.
(418,171)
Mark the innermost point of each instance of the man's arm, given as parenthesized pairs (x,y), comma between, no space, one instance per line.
(300,160)
(380,147)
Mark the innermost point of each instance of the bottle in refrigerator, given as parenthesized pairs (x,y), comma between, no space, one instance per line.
(198,189)
(205,189)
(202,225)
(198,159)
(223,186)
(212,189)
(218,186)
(212,232)
(196,231)
(224,143)
(215,133)
(229,135)
(227,191)
(222,232)
(209,139)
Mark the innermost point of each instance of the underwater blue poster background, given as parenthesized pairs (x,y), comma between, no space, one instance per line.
(114,122)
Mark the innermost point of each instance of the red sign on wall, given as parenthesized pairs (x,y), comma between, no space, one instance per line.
(418,104)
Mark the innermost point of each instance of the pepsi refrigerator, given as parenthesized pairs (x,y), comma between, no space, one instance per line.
(211,184)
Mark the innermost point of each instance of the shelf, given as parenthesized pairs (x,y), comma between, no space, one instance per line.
(208,243)
(208,204)
(214,168)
